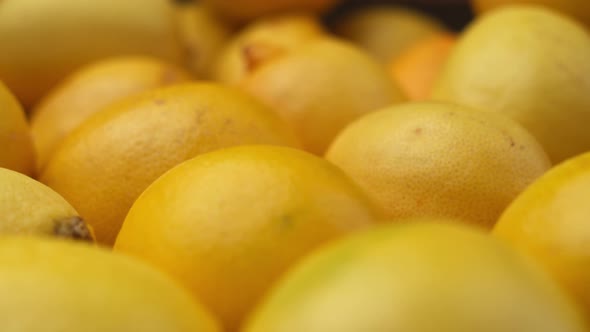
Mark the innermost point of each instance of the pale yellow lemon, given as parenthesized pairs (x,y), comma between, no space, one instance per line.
(531,64)
(51,285)
(580,9)
(45,40)
(442,160)
(428,275)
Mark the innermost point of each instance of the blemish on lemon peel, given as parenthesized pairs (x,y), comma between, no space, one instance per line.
(286,221)
(73,228)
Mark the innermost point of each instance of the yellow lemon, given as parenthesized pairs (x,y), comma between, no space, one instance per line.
(50,285)
(17,151)
(30,207)
(203,36)
(103,166)
(263,40)
(321,87)
(228,223)
(90,89)
(442,160)
(551,221)
(579,9)
(531,64)
(46,40)
(426,276)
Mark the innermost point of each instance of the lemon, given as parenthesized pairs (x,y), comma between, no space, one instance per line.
(91,88)
(58,286)
(438,159)
(263,40)
(550,220)
(203,36)
(427,276)
(228,223)
(579,9)
(103,166)
(321,87)
(17,151)
(531,64)
(46,40)
(30,207)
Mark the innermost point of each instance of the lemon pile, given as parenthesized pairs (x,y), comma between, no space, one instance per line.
(293,166)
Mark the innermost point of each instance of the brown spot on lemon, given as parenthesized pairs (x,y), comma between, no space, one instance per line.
(28,207)
(72,228)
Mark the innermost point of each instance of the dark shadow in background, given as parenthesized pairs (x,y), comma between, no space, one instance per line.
(456,14)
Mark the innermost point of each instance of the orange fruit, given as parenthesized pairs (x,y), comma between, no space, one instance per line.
(418,67)
(551,221)
(228,223)
(385,31)
(442,160)
(246,10)
(261,41)
(90,89)
(580,9)
(321,87)
(103,166)
(547,91)
(50,285)
(17,152)
(428,275)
